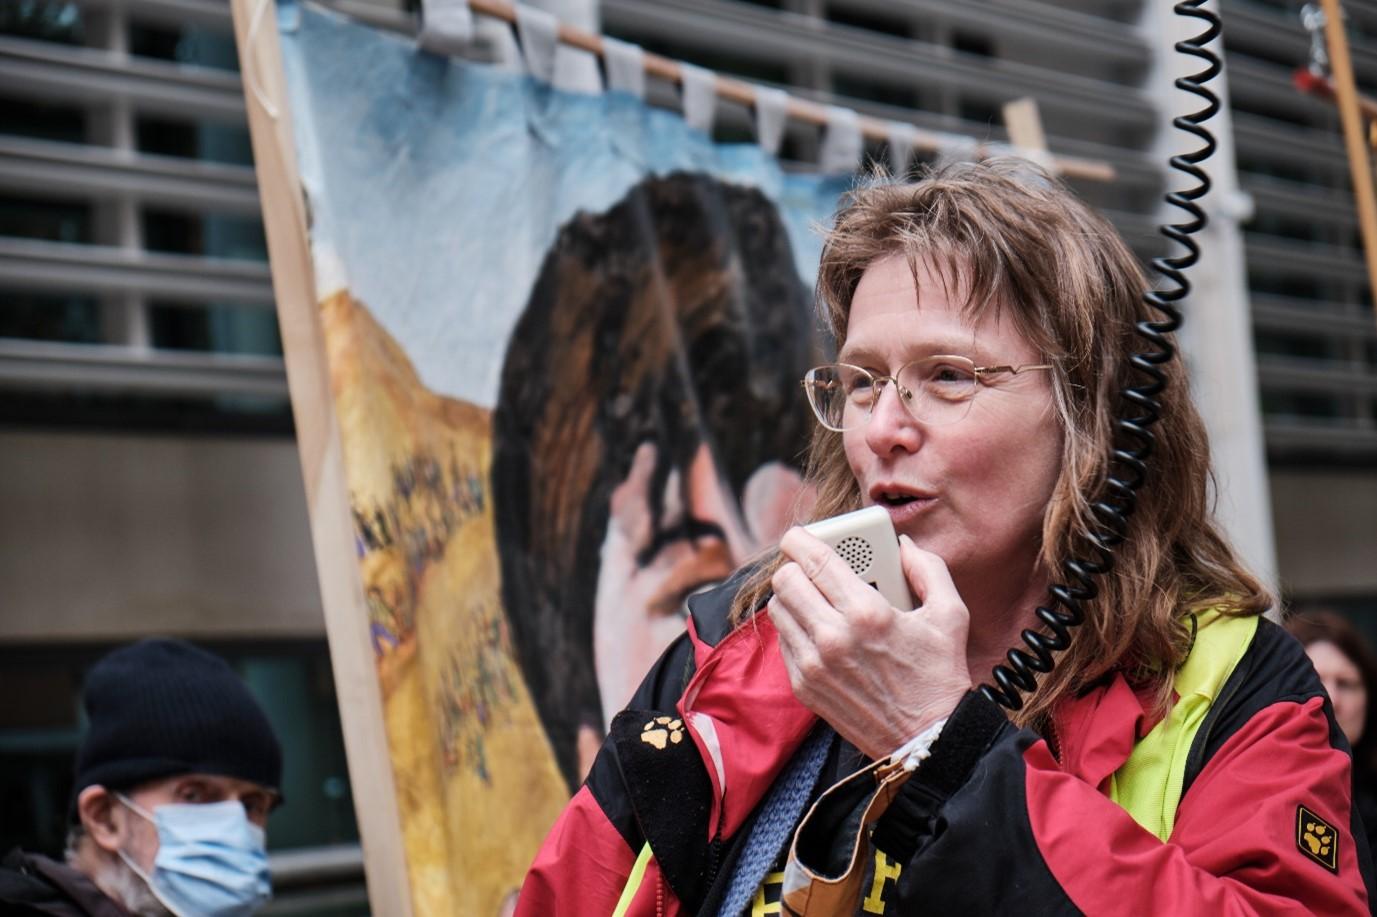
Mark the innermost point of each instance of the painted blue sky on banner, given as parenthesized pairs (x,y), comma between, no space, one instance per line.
(436,186)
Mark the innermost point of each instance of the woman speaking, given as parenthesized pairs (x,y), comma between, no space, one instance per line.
(808,746)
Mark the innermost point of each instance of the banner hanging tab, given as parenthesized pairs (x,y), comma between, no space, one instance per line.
(700,96)
(901,140)
(538,32)
(625,66)
(958,148)
(771,109)
(446,26)
(842,143)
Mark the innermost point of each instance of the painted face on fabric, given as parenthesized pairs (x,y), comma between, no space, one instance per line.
(974,492)
(1344,683)
(648,570)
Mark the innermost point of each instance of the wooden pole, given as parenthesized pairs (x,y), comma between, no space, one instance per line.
(1024,124)
(1355,138)
(318,443)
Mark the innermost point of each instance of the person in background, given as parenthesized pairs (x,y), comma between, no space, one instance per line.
(1348,670)
(174,782)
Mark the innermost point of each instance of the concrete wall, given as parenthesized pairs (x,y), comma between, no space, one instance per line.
(111,536)
(1326,532)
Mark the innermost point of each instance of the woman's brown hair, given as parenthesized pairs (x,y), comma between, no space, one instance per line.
(1009,238)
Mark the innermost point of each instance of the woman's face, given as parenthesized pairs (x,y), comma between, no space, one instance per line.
(974,492)
(1344,682)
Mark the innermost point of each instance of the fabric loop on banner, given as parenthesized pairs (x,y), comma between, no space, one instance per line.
(700,96)
(842,143)
(538,32)
(576,70)
(902,138)
(446,26)
(495,39)
(625,66)
(771,109)
(958,148)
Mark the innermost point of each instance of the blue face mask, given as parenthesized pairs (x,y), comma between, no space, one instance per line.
(211,859)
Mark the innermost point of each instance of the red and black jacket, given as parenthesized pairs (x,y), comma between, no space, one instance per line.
(993,822)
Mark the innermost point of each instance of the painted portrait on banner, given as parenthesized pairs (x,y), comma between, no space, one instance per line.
(564,336)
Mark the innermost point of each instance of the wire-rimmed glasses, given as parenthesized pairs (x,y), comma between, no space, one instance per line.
(936,390)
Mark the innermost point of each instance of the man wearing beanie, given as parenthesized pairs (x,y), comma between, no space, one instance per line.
(174,782)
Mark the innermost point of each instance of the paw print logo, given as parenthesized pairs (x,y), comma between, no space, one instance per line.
(1317,839)
(663,731)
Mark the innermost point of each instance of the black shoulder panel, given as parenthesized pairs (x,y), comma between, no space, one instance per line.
(712,609)
(671,793)
(1274,668)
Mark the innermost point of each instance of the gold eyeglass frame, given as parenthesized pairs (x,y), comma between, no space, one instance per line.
(906,396)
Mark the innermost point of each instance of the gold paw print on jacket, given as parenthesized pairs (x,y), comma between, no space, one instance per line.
(1318,838)
(662,731)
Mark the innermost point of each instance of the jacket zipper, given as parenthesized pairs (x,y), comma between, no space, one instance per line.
(1053,743)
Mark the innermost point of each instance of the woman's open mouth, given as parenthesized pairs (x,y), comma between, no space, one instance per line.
(904,504)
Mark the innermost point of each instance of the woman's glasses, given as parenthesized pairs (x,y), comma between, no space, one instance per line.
(936,390)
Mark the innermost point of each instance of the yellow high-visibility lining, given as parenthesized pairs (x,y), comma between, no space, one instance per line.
(1148,785)
(633,882)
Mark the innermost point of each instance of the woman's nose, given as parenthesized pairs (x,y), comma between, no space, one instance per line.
(891,427)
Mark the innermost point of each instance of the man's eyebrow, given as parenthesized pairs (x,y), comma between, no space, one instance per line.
(689,529)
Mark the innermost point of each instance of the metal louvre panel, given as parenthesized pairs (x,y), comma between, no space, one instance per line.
(69,170)
(105,367)
(55,266)
(60,73)
(212,13)
(116,186)
(1091,38)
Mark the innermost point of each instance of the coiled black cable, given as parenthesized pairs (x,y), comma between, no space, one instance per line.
(1134,439)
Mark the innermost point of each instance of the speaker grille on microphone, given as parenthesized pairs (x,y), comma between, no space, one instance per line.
(857,553)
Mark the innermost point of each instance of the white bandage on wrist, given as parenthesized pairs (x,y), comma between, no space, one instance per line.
(917,749)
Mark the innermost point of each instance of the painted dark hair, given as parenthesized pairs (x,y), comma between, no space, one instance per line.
(676,317)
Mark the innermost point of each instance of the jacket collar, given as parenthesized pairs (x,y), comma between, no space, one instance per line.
(741,711)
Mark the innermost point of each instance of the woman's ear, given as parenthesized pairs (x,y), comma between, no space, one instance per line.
(96,808)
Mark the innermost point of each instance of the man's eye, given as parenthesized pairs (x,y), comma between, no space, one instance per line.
(257,806)
(191,793)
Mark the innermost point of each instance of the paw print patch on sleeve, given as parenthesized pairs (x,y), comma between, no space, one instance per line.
(662,731)
(1317,839)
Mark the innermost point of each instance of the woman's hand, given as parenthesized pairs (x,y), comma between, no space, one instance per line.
(877,675)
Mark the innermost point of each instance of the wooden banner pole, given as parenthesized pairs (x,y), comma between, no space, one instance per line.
(318,443)
(1355,137)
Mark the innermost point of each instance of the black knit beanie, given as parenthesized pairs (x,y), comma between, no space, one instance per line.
(161,708)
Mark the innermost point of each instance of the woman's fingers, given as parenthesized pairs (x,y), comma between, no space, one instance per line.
(930,580)
(833,578)
(796,646)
